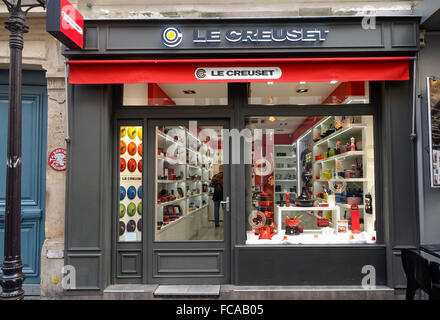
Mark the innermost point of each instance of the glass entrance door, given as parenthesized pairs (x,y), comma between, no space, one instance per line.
(189,207)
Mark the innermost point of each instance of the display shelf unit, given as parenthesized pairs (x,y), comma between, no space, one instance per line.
(170,202)
(345,155)
(340,163)
(304,143)
(192,158)
(285,171)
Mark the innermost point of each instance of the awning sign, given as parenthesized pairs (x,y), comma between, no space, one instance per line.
(65,23)
(238,73)
(239,70)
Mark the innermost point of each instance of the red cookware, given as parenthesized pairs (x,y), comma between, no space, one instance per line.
(265,233)
(131,165)
(140,165)
(140,149)
(264,203)
(322,222)
(292,222)
(268,214)
(132,148)
(123,147)
(122,164)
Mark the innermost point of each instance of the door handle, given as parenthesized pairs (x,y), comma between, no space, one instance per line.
(227,203)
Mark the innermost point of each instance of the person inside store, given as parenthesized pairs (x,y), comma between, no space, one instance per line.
(217,184)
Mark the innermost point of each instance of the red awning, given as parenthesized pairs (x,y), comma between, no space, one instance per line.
(239,70)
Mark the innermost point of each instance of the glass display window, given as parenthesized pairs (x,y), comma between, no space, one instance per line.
(189,183)
(175,94)
(130,183)
(319,183)
(309,93)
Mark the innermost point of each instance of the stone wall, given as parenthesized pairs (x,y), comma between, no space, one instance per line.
(42,52)
(159,9)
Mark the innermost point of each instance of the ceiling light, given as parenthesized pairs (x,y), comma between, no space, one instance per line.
(270,82)
(302,88)
(303,82)
(333,81)
(272,118)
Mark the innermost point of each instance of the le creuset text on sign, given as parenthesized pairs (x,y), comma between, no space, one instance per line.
(263,73)
(267,35)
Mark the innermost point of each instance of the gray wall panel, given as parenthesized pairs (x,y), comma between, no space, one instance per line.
(400,177)
(187,263)
(129,264)
(87,267)
(84,164)
(88,194)
(277,265)
(428,66)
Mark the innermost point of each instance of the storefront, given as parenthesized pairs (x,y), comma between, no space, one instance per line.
(217,127)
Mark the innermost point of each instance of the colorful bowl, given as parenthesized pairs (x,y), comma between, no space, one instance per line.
(131,192)
(131,209)
(132,148)
(122,210)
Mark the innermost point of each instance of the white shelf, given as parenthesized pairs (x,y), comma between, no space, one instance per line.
(172,161)
(169,139)
(170,202)
(348,154)
(348,206)
(196,195)
(282,192)
(342,179)
(339,132)
(194,211)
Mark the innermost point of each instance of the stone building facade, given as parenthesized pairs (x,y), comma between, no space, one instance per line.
(43,52)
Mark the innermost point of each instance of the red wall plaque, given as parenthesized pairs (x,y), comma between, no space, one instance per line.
(57,159)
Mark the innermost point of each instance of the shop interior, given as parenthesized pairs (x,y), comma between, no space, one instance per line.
(189,182)
(311,180)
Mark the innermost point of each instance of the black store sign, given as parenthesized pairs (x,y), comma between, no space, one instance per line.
(185,37)
(175,37)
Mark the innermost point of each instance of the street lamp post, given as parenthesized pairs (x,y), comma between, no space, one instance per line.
(13,277)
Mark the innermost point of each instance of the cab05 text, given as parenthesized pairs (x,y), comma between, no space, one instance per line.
(233,309)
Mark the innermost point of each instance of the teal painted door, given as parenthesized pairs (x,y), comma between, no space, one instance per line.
(33,176)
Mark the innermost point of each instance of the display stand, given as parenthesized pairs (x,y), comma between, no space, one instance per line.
(279,210)
(285,170)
